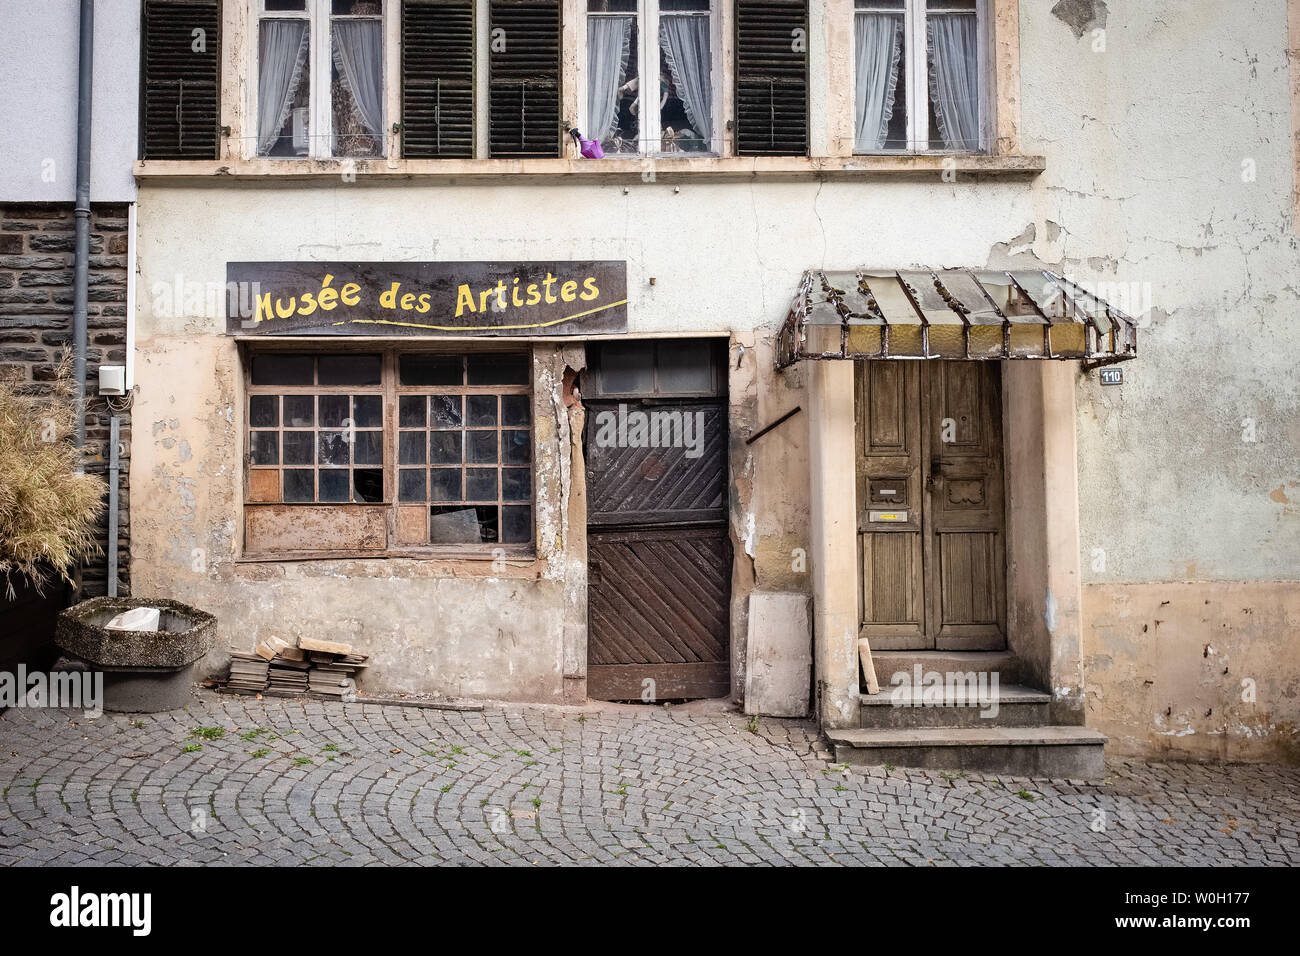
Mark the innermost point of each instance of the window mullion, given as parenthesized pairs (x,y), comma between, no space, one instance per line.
(920,80)
(650,58)
(320,69)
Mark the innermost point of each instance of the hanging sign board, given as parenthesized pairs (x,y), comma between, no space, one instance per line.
(426,298)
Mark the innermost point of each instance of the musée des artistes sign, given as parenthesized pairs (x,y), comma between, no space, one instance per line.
(426,298)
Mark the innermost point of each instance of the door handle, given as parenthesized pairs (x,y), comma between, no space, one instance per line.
(936,472)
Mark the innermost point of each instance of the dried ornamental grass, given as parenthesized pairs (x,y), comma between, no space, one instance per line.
(48,512)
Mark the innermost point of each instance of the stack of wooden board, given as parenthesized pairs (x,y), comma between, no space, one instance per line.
(248,673)
(314,668)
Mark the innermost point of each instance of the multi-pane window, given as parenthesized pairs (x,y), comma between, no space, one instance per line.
(919,75)
(316,428)
(650,76)
(444,439)
(464,445)
(320,78)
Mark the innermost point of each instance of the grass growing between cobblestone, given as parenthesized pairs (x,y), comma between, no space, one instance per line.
(368,784)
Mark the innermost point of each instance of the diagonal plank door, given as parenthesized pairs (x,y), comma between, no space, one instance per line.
(659,559)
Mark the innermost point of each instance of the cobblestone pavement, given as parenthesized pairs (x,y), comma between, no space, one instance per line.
(308,782)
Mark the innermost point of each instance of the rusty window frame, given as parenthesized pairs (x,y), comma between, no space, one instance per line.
(390,389)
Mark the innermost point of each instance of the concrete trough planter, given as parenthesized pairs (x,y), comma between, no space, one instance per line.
(144,671)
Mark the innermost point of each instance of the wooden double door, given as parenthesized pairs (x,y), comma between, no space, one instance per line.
(930,513)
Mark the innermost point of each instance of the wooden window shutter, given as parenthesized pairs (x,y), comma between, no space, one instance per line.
(524,66)
(772,77)
(180,90)
(438,79)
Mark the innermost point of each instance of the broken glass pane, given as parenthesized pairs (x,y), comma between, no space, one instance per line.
(333,449)
(367,484)
(444,411)
(460,525)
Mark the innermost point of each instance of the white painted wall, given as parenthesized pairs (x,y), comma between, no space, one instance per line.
(38,99)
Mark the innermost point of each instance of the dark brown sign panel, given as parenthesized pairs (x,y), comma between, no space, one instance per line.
(426,298)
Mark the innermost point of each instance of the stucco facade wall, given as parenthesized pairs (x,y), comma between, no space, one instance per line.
(1163,191)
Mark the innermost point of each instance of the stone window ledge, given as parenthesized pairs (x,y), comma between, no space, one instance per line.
(450,171)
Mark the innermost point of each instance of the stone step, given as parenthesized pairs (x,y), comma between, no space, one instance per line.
(1012,705)
(888,663)
(1060,752)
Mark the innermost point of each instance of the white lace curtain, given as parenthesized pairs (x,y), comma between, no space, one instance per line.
(879,55)
(609,43)
(954,80)
(358,55)
(686,42)
(282,55)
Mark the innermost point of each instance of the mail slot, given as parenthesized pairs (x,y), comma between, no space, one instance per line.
(887,516)
(888,491)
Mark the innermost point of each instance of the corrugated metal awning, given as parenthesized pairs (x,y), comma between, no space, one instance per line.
(952,314)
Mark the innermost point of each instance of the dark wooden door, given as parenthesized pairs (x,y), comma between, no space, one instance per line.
(931,524)
(659,558)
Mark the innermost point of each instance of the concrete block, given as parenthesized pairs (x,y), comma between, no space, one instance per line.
(778,668)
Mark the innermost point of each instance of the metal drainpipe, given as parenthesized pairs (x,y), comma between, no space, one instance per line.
(80,280)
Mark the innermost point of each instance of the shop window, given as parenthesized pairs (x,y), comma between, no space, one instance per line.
(320,78)
(919,68)
(442,440)
(650,77)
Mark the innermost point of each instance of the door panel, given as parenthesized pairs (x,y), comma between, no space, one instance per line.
(930,505)
(965,535)
(657,600)
(889,490)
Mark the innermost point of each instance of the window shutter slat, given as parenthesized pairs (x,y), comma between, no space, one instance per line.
(772,77)
(524,67)
(180,90)
(438,79)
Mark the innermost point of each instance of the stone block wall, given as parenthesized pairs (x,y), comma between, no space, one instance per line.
(37,243)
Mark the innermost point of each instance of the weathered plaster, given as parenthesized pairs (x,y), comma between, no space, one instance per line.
(1204,670)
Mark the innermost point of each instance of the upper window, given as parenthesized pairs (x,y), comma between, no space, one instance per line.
(672,44)
(919,78)
(320,78)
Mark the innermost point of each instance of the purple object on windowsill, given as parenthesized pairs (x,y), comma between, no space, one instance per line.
(588,147)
